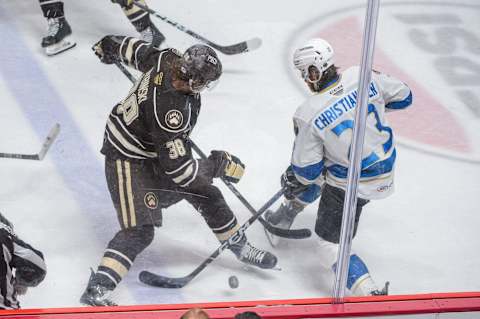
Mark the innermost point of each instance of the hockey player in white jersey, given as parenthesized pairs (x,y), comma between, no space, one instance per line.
(323,127)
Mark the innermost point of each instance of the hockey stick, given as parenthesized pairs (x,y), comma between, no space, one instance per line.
(287,233)
(152,279)
(43,151)
(281,232)
(124,70)
(241,47)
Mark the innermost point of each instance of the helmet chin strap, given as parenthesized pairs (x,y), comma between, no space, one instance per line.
(314,85)
(306,75)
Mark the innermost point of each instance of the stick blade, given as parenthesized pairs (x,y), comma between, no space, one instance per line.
(238,48)
(287,233)
(52,135)
(155,280)
(253,44)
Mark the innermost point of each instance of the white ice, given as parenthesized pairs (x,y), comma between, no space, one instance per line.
(422,239)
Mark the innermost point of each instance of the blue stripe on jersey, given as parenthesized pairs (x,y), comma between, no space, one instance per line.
(400,104)
(338,129)
(310,172)
(310,194)
(376,169)
(369,160)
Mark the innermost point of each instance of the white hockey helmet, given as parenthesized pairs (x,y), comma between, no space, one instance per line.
(315,52)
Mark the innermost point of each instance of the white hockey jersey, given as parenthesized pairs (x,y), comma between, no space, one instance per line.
(324,126)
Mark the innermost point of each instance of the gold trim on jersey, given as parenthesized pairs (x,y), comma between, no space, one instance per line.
(114,265)
(129,50)
(133,9)
(121,193)
(125,143)
(116,252)
(226,235)
(131,205)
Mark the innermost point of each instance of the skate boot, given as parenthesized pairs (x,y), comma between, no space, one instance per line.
(248,254)
(152,35)
(58,36)
(96,294)
(285,214)
(283,217)
(383,292)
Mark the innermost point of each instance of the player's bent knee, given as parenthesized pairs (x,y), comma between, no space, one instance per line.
(330,235)
(133,241)
(330,212)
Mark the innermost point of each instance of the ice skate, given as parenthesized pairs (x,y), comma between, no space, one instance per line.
(282,218)
(153,35)
(251,255)
(58,37)
(382,292)
(96,294)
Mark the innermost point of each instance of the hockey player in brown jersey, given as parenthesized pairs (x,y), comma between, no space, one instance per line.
(21,266)
(149,163)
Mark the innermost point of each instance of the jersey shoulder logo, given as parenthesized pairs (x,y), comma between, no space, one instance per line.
(174,119)
(151,200)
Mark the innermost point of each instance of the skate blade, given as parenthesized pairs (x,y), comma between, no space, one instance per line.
(272,239)
(59,47)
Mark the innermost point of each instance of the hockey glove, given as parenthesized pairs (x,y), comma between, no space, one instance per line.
(291,184)
(107,49)
(123,3)
(20,289)
(227,166)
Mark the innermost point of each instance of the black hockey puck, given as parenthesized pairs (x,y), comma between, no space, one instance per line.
(233,282)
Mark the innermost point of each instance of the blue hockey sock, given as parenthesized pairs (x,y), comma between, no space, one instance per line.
(356,270)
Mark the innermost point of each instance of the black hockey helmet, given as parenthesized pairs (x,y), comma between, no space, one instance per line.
(201,67)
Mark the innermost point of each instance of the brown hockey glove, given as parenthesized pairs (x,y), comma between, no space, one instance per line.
(227,166)
(107,49)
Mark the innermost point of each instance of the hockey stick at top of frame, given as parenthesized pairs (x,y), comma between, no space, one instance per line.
(237,48)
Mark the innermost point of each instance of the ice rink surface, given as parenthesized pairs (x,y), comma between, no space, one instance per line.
(422,239)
